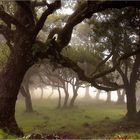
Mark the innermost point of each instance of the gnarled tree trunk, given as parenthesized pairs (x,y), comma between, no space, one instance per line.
(98,94)
(59,100)
(73,99)
(42,93)
(12,74)
(87,94)
(120,97)
(28,101)
(108,100)
(66,99)
(75,94)
(131,103)
(131,90)
(66,96)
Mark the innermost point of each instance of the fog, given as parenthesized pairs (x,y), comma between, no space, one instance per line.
(36,93)
(52,93)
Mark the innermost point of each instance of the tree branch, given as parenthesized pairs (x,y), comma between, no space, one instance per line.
(51,8)
(102,63)
(66,62)
(8,19)
(106,88)
(86,10)
(39,3)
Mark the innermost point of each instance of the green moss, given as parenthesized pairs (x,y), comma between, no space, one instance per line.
(4,135)
(4,54)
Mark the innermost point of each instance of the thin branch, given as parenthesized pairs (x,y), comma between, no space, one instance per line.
(102,63)
(39,3)
(106,88)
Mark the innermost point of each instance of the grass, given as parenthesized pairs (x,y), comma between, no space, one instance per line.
(86,120)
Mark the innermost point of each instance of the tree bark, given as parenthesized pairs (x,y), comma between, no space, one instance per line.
(108,100)
(59,100)
(131,90)
(51,94)
(73,99)
(66,97)
(12,76)
(75,94)
(98,94)
(87,95)
(131,103)
(28,101)
(42,93)
(120,97)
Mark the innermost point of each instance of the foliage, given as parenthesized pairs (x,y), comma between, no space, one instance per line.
(4,53)
(4,135)
(81,54)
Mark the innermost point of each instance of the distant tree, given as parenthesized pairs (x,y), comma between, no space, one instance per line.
(28,102)
(76,84)
(62,78)
(97,94)
(121,96)
(108,99)
(56,78)
(87,93)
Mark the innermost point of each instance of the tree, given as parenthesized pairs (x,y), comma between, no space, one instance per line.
(76,84)
(24,89)
(124,29)
(87,94)
(98,94)
(121,96)
(59,78)
(108,100)
(28,102)
(24,53)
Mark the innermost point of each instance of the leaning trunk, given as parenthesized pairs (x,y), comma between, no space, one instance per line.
(120,97)
(66,98)
(87,94)
(42,93)
(73,99)
(59,100)
(98,94)
(11,76)
(28,101)
(108,100)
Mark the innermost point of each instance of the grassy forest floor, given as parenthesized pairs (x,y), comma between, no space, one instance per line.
(85,120)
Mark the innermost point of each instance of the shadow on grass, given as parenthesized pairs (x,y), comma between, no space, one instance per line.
(121,129)
(106,129)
